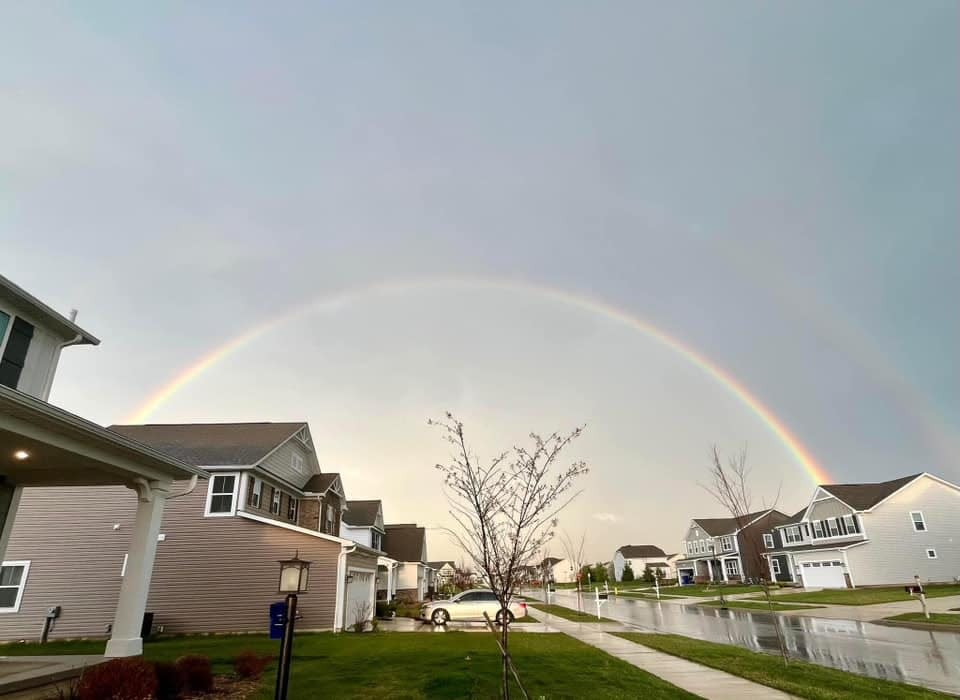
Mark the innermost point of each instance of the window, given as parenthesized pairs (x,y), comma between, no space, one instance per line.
(13,579)
(696,533)
(817,529)
(775,563)
(331,519)
(292,505)
(833,527)
(768,542)
(275,501)
(733,568)
(726,543)
(931,554)
(919,524)
(297,462)
(792,534)
(222,494)
(850,524)
(375,539)
(256,492)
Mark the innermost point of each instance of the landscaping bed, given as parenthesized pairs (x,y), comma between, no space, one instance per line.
(799,678)
(867,596)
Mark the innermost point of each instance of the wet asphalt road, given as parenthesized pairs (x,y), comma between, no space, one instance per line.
(930,659)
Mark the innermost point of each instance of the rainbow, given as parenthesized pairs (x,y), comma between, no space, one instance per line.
(590,304)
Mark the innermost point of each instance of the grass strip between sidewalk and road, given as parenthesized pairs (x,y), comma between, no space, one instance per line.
(799,678)
(867,596)
(949,619)
(567,613)
(760,606)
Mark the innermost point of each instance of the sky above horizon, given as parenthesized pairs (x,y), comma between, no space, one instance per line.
(502,210)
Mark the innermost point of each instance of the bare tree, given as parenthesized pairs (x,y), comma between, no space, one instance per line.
(506,511)
(729,485)
(574,554)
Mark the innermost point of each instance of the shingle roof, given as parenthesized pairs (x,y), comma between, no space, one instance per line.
(641,551)
(361,513)
(212,444)
(404,542)
(864,496)
(439,564)
(724,526)
(551,561)
(319,483)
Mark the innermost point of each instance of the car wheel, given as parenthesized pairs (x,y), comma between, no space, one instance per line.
(440,617)
(500,617)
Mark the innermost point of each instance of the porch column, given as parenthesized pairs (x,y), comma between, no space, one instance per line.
(723,569)
(710,569)
(125,639)
(773,577)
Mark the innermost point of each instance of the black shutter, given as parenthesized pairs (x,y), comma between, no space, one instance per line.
(15,354)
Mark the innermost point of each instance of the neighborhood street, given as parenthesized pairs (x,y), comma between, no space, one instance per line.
(924,658)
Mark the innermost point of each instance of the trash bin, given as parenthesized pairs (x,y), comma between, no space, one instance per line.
(686,580)
(278,619)
(147,626)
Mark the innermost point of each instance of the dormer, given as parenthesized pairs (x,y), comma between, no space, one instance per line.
(31,338)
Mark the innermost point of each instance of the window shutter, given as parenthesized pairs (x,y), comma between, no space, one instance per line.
(15,354)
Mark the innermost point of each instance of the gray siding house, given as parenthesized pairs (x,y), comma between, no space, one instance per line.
(217,547)
(871,534)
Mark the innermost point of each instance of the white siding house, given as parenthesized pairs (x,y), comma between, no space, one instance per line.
(639,557)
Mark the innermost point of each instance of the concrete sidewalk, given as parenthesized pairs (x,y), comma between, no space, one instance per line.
(706,682)
(877,611)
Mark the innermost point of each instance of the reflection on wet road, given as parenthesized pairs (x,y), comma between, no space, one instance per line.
(924,658)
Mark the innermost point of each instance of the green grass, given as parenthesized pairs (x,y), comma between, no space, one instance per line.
(410,665)
(799,678)
(758,605)
(867,596)
(705,591)
(935,618)
(568,614)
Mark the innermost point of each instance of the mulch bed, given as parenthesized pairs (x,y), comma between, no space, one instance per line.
(228,688)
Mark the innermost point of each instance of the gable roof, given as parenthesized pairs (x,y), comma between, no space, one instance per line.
(360,513)
(405,542)
(644,551)
(727,526)
(320,483)
(865,496)
(55,320)
(212,444)
(551,561)
(440,564)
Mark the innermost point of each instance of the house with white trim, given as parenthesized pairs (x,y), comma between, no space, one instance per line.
(262,499)
(639,557)
(556,570)
(870,534)
(362,522)
(406,544)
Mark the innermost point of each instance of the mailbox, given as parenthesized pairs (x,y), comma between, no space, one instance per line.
(278,619)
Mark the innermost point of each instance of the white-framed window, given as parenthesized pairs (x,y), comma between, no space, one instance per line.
(292,505)
(833,527)
(931,554)
(726,543)
(296,461)
(733,569)
(768,541)
(817,529)
(256,492)
(331,518)
(775,563)
(696,533)
(13,579)
(275,501)
(792,534)
(919,524)
(850,523)
(222,494)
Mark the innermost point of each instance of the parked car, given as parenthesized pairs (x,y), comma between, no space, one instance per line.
(470,605)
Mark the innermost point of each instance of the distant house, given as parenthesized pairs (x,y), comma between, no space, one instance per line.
(558,570)
(870,534)
(444,571)
(639,557)
(362,522)
(672,560)
(723,549)
(407,544)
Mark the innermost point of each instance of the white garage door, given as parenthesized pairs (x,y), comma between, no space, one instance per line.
(823,574)
(359,595)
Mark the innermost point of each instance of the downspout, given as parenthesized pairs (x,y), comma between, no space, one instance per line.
(187,491)
(341,600)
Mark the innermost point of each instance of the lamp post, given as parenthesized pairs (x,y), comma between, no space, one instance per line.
(294,574)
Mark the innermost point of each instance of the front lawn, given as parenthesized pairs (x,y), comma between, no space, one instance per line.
(412,665)
(867,596)
(568,614)
(707,591)
(757,605)
(800,679)
(935,618)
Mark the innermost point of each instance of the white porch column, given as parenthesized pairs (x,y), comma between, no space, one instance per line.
(723,569)
(125,639)
(773,578)
(709,563)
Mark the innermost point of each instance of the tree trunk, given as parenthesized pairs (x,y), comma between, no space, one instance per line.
(505,653)
(776,625)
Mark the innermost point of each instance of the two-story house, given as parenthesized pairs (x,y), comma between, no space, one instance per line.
(726,549)
(217,549)
(556,570)
(407,545)
(444,572)
(363,523)
(639,557)
(871,534)
(44,450)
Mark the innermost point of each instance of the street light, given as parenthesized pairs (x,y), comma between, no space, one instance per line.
(294,575)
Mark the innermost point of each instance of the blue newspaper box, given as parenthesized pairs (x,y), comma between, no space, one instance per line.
(278,619)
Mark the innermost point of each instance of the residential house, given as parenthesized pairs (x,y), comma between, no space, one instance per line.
(44,448)
(362,522)
(445,572)
(726,549)
(639,557)
(870,534)
(217,549)
(407,544)
(558,570)
(672,560)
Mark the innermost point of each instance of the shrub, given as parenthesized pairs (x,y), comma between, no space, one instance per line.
(196,673)
(385,609)
(249,664)
(627,573)
(168,680)
(119,679)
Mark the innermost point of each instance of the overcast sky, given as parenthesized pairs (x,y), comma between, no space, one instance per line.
(772,184)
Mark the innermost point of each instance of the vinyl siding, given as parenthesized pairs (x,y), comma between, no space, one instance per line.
(831,508)
(361,535)
(41,360)
(210,575)
(265,496)
(895,552)
(280,463)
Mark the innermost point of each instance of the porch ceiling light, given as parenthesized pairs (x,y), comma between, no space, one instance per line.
(21,455)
